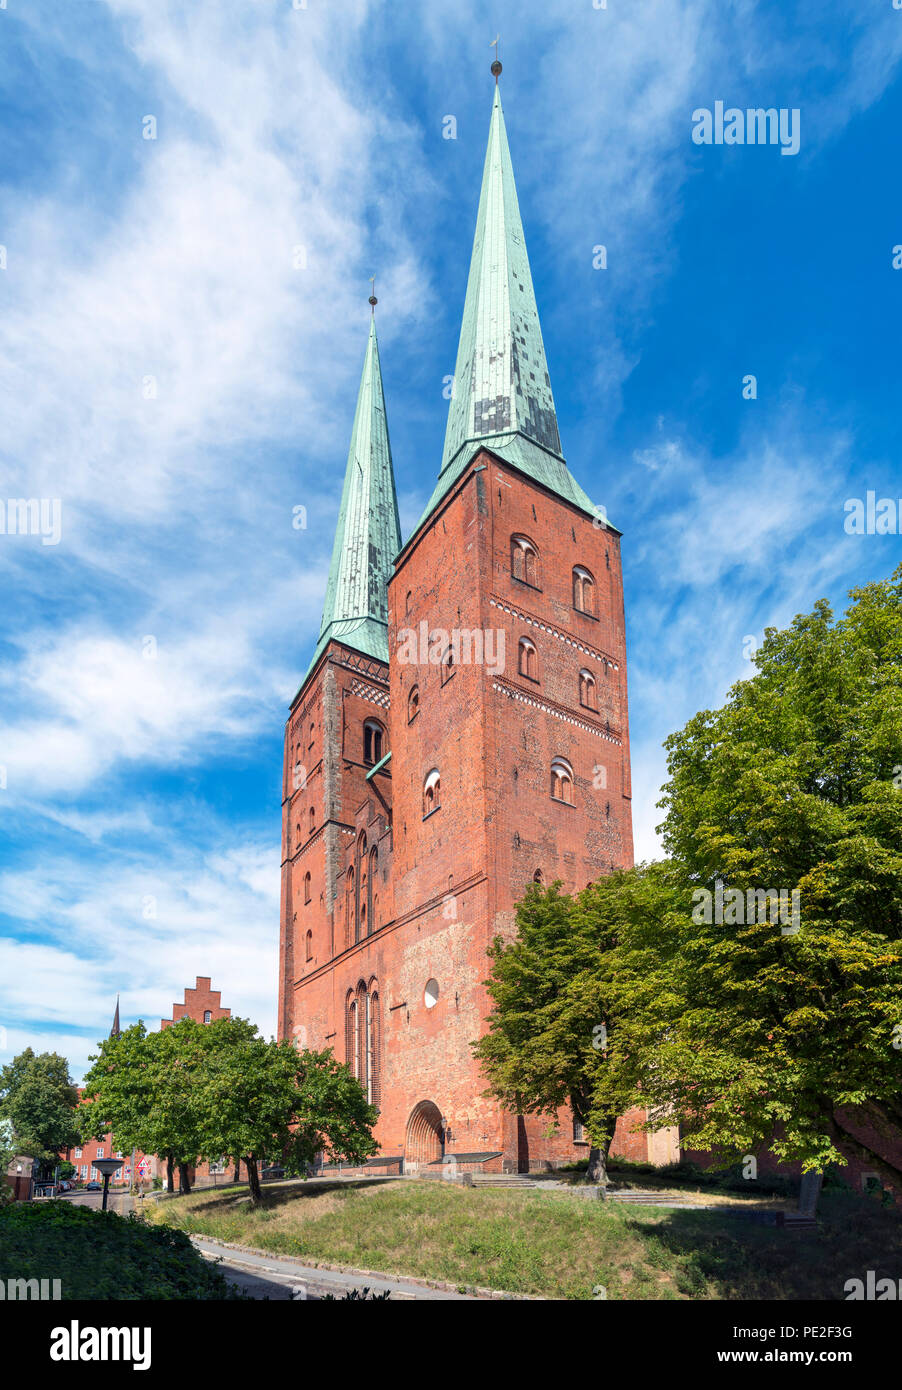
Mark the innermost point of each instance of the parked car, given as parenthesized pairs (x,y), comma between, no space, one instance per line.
(93,1187)
(272,1173)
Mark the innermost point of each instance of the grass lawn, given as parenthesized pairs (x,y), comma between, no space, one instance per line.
(553,1244)
(100,1255)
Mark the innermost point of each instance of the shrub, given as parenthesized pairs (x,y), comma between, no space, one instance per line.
(101,1255)
(356,1296)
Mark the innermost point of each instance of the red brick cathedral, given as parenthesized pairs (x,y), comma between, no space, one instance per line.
(461,732)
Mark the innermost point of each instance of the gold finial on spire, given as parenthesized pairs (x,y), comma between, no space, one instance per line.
(496,66)
(373,300)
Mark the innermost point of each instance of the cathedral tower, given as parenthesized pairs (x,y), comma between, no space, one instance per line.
(505,758)
(337,733)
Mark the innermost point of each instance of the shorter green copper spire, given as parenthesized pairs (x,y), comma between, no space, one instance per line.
(368,534)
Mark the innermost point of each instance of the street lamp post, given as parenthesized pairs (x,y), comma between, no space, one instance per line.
(107,1166)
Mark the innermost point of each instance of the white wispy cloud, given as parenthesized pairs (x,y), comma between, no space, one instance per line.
(726,546)
(142,928)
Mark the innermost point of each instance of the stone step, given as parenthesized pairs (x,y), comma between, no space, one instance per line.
(794,1222)
(500,1180)
(651,1199)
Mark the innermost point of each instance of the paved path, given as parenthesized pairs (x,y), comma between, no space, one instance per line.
(264,1276)
(121,1202)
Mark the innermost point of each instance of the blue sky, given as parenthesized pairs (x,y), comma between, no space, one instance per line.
(174,374)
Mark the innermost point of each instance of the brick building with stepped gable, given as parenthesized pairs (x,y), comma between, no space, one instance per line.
(461,732)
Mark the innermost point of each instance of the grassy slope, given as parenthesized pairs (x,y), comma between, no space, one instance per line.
(552,1244)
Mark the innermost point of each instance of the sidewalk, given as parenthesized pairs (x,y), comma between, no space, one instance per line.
(268,1276)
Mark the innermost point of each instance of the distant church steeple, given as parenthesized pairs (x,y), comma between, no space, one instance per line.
(115,1030)
(368,534)
(502,391)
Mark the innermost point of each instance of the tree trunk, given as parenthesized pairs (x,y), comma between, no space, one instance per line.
(809,1193)
(184,1178)
(597,1171)
(237,1177)
(253,1178)
(170,1184)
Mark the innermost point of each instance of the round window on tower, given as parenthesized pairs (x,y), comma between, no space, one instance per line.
(430,995)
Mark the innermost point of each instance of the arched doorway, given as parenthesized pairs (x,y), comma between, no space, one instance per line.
(424,1142)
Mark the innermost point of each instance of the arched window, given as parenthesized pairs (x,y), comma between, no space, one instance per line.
(362,888)
(448,665)
(413,703)
(562,781)
(407,602)
(587,690)
(528,659)
(363,1038)
(372,742)
(363,1029)
(351,1032)
(432,792)
(349,908)
(297,834)
(374,866)
(309,940)
(312,820)
(307,887)
(538,876)
(583,591)
(524,560)
(312,735)
(375,1087)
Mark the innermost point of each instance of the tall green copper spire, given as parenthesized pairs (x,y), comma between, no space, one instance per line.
(502,392)
(368,534)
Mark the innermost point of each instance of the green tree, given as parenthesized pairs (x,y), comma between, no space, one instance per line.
(118,1090)
(795,785)
(180,1066)
(39,1099)
(149,1089)
(266,1100)
(551,1030)
(203,1090)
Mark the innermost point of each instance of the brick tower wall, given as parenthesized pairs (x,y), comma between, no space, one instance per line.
(492,734)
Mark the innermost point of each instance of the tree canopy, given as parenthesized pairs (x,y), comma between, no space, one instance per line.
(39,1099)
